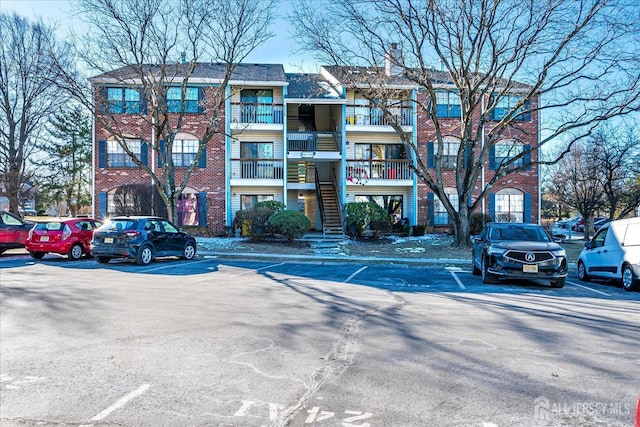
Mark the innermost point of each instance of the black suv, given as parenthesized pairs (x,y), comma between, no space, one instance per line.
(506,250)
(141,238)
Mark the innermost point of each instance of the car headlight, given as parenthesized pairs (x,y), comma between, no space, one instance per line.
(559,253)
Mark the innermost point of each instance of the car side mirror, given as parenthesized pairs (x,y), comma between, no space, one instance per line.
(588,245)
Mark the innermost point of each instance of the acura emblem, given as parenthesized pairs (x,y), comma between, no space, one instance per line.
(530,257)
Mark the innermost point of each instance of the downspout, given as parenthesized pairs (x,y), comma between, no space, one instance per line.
(538,165)
(482,178)
(227,157)
(285,150)
(93,162)
(343,157)
(153,163)
(414,140)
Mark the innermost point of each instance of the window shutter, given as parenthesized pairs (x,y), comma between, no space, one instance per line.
(527,107)
(431,208)
(430,155)
(201,99)
(101,101)
(102,154)
(102,204)
(144,153)
(527,208)
(202,162)
(467,156)
(492,158)
(161,153)
(527,157)
(492,206)
(202,209)
(143,102)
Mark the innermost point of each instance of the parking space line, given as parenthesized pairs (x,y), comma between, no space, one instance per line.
(259,269)
(102,415)
(353,275)
(163,267)
(455,276)
(590,289)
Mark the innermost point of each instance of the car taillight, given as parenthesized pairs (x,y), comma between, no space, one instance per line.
(31,234)
(66,232)
(132,233)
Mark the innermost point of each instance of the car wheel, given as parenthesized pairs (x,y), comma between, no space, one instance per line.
(103,259)
(629,280)
(475,270)
(144,255)
(582,272)
(189,251)
(75,253)
(37,255)
(487,278)
(558,283)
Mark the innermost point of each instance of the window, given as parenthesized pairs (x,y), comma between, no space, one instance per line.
(509,206)
(258,168)
(123,100)
(187,207)
(257,105)
(184,151)
(392,204)
(118,158)
(447,104)
(506,150)
(249,201)
(449,157)
(175,101)
(506,104)
(440,214)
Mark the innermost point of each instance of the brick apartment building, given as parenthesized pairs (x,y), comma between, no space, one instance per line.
(311,141)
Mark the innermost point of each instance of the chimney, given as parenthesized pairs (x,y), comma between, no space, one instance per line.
(184,57)
(393,61)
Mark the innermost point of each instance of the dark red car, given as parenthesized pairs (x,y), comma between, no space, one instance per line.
(71,237)
(13,231)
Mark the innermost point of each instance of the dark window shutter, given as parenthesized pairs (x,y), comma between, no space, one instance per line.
(102,204)
(492,206)
(527,208)
(201,99)
(527,157)
(467,156)
(430,155)
(101,101)
(492,158)
(527,107)
(102,154)
(202,208)
(144,153)
(143,102)
(431,208)
(202,162)
(161,153)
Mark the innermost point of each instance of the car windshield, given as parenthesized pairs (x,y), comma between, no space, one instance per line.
(119,225)
(519,232)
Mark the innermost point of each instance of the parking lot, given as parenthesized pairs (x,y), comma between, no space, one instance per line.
(244,343)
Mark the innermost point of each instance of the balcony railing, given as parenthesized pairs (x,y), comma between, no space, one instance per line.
(256,168)
(256,113)
(373,116)
(359,171)
(313,141)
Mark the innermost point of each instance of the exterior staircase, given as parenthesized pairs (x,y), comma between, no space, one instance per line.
(331,218)
(326,142)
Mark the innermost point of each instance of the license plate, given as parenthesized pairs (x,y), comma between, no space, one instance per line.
(108,239)
(530,268)
(44,238)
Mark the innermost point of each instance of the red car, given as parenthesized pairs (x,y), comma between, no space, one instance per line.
(13,231)
(71,237)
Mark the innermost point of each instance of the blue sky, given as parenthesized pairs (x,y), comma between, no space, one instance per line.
(278,50)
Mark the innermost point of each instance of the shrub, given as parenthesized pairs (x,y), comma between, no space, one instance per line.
(477,220)
(290,224)
(360,215)
(419,230)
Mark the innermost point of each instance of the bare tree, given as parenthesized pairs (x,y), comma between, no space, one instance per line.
(619,161)
(155,45)
(576,62)
(27,98)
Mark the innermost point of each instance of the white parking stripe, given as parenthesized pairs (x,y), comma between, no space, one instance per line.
(353,275)
(588,288)
(171,265)
(102,415)
(455,276)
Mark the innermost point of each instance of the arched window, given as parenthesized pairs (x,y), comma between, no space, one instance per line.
(509,205)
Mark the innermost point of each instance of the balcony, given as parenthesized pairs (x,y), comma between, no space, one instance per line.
(313,141)
(372,116)
(363,171)
(256,169)
(257,114)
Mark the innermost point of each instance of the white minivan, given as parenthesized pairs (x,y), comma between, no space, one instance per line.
(613,253)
